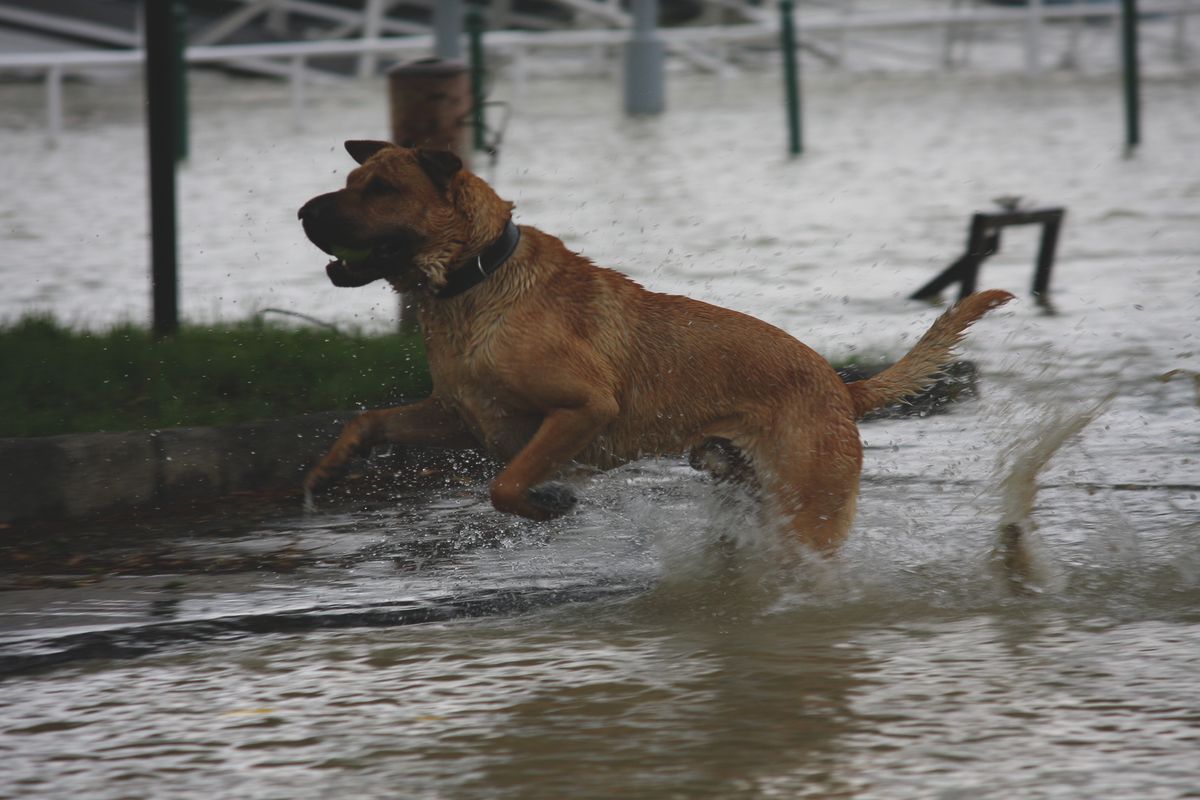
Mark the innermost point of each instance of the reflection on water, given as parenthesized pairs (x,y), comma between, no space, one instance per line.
(652,697)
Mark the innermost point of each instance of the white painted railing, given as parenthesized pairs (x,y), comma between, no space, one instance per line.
(289,59)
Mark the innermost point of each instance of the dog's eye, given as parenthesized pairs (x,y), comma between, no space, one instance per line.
(378,185)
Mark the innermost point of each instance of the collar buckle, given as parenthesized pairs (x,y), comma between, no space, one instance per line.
(487,263)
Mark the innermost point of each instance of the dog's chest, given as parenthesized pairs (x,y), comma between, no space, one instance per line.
(503,426)
(467,379)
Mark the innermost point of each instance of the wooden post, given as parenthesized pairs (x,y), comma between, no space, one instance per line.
(431,107)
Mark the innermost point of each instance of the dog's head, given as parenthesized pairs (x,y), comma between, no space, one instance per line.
(407,215)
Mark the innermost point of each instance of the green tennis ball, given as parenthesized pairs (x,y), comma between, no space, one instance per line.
(351,254)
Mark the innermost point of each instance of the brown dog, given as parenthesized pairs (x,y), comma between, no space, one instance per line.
(544,359)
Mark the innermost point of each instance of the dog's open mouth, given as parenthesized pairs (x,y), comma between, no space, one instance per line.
(353,273)
(354,266)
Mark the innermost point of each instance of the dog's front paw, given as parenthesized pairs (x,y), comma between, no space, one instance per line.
(555,499)
(542,502)
(322,476)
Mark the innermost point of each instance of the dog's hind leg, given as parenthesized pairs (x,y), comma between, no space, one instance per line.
(721,459)
(810,479)
(424,424)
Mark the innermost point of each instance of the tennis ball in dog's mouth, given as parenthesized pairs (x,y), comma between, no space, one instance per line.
(351,254)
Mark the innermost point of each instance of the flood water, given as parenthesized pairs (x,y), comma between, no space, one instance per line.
(661,641)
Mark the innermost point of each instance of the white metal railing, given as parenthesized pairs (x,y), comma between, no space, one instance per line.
(289,59)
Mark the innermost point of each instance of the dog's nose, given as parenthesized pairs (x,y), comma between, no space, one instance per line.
(316,208)
(309,210)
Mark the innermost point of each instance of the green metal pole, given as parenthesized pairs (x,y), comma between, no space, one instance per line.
(1129,51)
(179,18)
(791,74)
(475,26)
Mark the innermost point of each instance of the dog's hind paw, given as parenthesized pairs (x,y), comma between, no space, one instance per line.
(553,498)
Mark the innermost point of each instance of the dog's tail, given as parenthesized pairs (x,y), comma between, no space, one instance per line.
(919,367)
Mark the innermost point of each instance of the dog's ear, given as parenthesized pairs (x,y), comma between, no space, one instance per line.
(362,149)
(439,165)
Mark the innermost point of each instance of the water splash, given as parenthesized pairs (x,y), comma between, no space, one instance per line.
(1183,373)
(1016,555)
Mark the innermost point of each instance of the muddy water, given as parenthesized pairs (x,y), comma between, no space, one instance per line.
(660,642)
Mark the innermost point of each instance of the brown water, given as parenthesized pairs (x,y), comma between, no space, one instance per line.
(658,643)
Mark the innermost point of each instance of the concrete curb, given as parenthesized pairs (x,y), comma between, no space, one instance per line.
(72,476)
(79,474)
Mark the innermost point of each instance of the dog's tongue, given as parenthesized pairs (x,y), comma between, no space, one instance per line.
(341,275)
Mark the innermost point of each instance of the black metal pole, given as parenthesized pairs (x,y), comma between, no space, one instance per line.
(791,76)
(179,7)
(1129,52)
(161,118)
(1045,257)
(981,243)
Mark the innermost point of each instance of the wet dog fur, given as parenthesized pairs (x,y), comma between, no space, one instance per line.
(553,360)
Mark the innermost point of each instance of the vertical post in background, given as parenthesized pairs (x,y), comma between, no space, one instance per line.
(277,18)
(447,29)
(1179,47)
(179,18)
(1132,81)
(791,74)
(430,105)
(500,10)
(1033,38)
(1071,59)
(161,84)
(1045,258)
(296,80)
(475,26)
(54,104)
(644,57)
(373,13)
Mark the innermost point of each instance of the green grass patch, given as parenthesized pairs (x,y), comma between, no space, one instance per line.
(58,380)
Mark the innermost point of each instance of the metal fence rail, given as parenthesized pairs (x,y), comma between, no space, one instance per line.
(290,59)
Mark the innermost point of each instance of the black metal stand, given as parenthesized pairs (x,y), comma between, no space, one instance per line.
(983,240)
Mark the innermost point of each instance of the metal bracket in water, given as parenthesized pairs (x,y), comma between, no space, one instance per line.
(983,240)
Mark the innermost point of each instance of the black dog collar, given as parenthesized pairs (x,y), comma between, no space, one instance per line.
(478,269)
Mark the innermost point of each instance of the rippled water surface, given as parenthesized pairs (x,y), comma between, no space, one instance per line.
(661,641)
